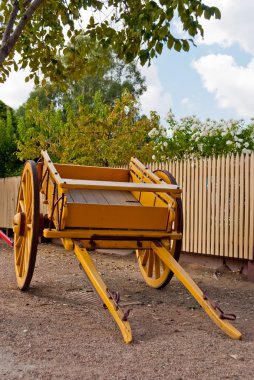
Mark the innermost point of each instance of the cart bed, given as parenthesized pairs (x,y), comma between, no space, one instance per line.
(104,197)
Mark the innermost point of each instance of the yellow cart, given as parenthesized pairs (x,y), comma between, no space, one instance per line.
(93,207)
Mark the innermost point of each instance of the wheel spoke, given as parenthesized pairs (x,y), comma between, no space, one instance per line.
(26,253)
(21,258)
(18,241)
(150,264)
(145,257)
(27,192)
(22,205)
(19,252)
(157,266)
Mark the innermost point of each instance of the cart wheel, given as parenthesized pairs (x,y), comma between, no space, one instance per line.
(26,225)
(155,273)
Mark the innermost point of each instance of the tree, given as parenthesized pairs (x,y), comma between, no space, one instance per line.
(191,137)
(36,30)
(9,163)
(111,76)
(100,134)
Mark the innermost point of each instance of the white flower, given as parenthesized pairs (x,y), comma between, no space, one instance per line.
(153,132)
(246,144)
(238,145)
(153,157)
(246,151)
(165,143)
(170,115)
(126,110)
(229,142)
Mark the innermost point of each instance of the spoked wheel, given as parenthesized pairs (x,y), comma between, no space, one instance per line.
(154,271)
(26,225)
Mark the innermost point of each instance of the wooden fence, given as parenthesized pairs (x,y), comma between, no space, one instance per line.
(218,204)
(8,198)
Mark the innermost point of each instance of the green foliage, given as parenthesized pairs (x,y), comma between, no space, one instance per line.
(9,165)
(132,28)
(191,137)
(99,134)
(111,77)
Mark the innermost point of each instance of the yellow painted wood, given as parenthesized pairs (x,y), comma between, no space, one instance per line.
(119,217)
(111,185)
(89,233)
(92,173)
(116,244)
(195,291)
(100,287)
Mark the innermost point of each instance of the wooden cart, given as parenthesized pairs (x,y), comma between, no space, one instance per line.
(92,207)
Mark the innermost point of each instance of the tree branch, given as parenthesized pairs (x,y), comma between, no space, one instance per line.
(10,22)
(10,43)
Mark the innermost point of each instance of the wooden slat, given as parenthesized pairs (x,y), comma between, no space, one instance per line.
(217,206)
(241,206)
(246,206)
(192,204)
(236,208)
(213,206)
(204,207)
(251,234)
(188,211)
(196,215)
(184,201)
(209,199)
(231,207)
(200,206)
(227,205)
(222,209)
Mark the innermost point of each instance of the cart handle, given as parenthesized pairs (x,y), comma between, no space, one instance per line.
(6,239)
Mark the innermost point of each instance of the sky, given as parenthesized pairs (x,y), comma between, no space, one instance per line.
(213,80)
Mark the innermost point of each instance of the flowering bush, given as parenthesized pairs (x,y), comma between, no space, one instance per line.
(191,137)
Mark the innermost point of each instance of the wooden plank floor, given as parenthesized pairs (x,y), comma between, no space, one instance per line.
(105,197)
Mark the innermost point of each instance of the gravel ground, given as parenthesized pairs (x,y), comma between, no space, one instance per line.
(59,329)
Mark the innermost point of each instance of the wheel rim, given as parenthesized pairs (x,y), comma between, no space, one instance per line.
(153,270)
(26,225)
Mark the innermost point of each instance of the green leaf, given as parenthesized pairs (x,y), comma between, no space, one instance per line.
(177,45)
(159,47)
(170,42)
(207,14)
(186,46)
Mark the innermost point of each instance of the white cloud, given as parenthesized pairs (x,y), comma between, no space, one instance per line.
(156,98)
(15,90)
(232,85)
(236,24)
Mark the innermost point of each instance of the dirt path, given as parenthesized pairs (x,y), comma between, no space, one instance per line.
(59,330)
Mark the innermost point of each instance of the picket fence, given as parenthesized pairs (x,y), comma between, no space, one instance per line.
(218,204)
